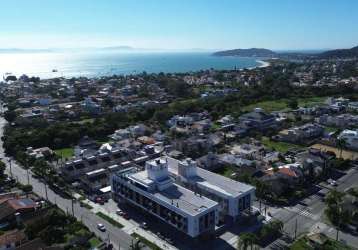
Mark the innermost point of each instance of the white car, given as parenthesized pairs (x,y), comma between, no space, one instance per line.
(144,225)
(119,212)
(332,182)
(101,227)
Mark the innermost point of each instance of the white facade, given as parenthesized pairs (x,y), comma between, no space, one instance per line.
(154,191)
(350,137)
(233,197)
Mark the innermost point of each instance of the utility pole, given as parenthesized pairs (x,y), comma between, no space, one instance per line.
(28,176)
(46,191)
(265,210)
(260,204)
(296,229)
(10,167)
(73,210)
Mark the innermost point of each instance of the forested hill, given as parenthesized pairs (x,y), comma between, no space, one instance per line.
(340,53)
(253,52)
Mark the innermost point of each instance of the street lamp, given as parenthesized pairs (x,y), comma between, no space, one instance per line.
(10,167)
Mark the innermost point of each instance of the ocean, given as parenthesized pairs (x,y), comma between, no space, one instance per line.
(102,63)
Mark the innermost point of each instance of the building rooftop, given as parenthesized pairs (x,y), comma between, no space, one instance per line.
(185,199)
(221,184)
(173,195)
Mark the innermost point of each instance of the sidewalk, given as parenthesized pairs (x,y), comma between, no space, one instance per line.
(130,227)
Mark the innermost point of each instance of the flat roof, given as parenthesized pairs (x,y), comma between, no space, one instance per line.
(235,188)
(214,181)
(174,196)
(184,199)
(96,171)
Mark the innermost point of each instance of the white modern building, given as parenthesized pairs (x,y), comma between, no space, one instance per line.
(234,198)
(154,191)
(350,137)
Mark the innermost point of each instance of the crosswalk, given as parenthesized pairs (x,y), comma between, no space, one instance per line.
(303,212)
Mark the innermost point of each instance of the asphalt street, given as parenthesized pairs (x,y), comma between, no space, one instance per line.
(113,234)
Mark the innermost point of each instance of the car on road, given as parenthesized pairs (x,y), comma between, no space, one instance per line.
(143,225)
(332,182)
(119,212)
(101,227)
(125,216)
(99,200)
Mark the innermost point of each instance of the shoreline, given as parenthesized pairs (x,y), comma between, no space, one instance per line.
(50,75)
(264,64)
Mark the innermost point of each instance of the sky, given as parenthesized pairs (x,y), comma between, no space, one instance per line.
(179,24)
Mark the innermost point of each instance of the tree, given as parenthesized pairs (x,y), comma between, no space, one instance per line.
(136,245)
(2,168)
(246,240)
(27,188)
(341,143)
(292,103)
(277,226)
(334,198)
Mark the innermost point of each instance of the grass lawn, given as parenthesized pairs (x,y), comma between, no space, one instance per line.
(281,104)
(301,244)
(268,106)
(282,147)
(225,171)
(65,152)
(330,129)
(94,241)
(311,101)
(148,243)
(109,219)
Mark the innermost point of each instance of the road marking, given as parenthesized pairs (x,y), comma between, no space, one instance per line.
(303,212)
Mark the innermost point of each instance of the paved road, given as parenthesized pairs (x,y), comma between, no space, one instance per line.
(116,236)
(308,215)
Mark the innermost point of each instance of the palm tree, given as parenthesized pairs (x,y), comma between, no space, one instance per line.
(136,245)
(246,240)
(334,198)
(277,226)
(341,143)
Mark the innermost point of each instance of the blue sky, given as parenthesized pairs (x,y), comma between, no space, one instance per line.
(179,24)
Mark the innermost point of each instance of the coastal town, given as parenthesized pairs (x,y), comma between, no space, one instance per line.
(264,157)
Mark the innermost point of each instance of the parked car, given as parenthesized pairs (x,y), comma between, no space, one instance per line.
(100,201)
(101,227)
(125,216)
(143,225)
(119,212)
(332,182)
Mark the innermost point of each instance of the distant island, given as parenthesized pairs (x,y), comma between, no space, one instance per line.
(266,53)
(253,52)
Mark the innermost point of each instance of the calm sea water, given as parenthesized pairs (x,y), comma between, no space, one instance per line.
(93,64)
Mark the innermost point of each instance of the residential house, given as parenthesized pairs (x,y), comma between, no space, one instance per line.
(11,240)
(301,134)
(259,120)
(314,161)
(39,153)
(12,208)
(283,177)
(350,137)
